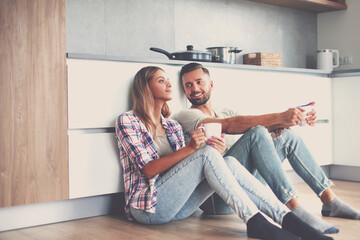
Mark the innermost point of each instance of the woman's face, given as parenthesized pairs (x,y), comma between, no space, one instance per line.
(160,86)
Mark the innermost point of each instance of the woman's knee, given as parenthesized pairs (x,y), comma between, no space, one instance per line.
(231,162)
(235,166)
(211,152)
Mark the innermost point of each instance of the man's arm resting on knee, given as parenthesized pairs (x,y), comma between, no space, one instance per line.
(240,124)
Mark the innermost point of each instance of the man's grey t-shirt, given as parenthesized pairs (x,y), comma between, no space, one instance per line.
(191,117)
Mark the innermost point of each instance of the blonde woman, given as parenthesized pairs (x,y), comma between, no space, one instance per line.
(166,180)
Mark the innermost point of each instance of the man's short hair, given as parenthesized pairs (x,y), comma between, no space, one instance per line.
(192,67)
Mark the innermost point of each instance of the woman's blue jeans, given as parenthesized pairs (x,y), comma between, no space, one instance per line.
(184,187)
(263,156)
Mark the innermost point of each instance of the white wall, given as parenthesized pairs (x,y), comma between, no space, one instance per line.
(340,30)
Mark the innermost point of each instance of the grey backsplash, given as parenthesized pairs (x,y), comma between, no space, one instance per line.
(129,28)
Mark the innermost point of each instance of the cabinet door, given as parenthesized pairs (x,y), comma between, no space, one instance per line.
(100,90)
(346,120)
(319,141)
(261,92)
(33,102)
(94,167)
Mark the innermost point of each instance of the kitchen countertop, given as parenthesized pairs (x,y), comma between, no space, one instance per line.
(209,64)
(345,73)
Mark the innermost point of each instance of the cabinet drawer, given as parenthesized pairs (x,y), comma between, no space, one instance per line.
(260,92)
(98,91)
(94,167)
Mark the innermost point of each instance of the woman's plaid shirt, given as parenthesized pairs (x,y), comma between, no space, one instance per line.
(137,148)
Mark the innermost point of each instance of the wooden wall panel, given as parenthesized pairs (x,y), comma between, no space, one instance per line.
(33,102)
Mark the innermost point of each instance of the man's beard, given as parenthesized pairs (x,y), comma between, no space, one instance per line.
(200,101)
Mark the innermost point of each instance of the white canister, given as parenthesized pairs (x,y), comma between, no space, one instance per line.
(327,59)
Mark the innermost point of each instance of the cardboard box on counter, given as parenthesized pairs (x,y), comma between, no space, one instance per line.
(263,59)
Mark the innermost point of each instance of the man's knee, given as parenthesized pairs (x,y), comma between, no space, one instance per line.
(290,135)
(258,132)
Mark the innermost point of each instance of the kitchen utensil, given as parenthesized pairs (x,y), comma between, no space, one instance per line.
(190,54)
(224,54)
(327,59)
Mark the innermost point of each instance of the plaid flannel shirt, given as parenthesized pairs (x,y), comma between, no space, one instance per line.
(137,148)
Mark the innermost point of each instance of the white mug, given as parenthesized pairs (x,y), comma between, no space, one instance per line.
(212,129)
(327,59)
(308,108)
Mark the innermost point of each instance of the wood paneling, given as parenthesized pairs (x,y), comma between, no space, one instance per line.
(33,102)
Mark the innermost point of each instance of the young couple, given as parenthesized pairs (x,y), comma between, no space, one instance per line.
(166,180)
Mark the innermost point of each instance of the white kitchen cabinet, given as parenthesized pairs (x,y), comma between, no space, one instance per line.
(346,120)
(260,92)
(94,167)
(99,90)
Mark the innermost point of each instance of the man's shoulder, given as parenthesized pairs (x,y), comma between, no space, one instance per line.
(189,119)
(223,112)
(188,113)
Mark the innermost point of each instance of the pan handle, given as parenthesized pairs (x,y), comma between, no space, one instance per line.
(169,55)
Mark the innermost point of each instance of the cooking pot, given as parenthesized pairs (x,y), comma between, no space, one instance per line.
(189,54)
(224,54)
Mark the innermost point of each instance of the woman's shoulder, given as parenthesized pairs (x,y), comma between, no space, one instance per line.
(126,117)
(173,123)
(127,114)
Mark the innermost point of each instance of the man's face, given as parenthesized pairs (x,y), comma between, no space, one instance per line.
(197,86)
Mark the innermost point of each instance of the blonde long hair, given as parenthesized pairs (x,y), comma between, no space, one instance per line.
(143,99)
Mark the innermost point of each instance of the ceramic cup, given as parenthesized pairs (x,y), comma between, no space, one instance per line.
(307,108)
(212,129)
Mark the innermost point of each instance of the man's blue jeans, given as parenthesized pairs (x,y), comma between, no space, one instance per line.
(184,187)
(263,156)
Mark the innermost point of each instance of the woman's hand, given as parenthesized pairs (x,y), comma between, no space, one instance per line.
(197,138)
(218,143)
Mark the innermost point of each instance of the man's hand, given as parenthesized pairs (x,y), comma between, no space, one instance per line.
(218,143)
(292,117)
(197,138)
(310,117)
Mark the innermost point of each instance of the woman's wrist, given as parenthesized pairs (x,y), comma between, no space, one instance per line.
(191,149)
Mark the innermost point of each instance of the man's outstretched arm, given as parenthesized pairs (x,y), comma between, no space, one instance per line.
(240,124)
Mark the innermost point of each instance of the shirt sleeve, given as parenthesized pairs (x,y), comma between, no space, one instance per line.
(129,134)
(189,120)
(225,112)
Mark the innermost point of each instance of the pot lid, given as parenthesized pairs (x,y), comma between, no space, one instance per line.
(222,47)
(325,50)
(190,49)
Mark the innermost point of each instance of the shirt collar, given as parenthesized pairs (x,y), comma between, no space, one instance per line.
(164,122)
